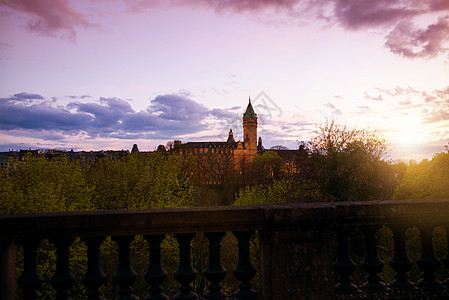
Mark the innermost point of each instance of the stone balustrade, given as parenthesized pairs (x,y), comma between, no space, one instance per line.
(304,250)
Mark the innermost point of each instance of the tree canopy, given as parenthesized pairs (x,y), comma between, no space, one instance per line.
(350,164)
(139,180)
(427,179)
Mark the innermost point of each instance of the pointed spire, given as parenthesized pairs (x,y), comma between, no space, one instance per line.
(249,113)
(230,137)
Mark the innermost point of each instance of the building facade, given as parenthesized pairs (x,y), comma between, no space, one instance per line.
(241,151)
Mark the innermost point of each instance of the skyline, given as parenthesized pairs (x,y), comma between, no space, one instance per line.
(104,75)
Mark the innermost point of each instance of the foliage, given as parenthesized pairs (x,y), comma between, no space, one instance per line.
(139,180)
(348,163)
(280,191)
(266,167)
(339,164)
(427,179)
(40,185)
(278,147)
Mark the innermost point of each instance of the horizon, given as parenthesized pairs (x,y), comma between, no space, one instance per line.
(91,75)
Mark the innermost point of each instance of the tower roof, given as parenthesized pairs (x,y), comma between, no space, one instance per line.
(230,137)
(249,113)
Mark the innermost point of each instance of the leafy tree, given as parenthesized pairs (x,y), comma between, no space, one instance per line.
(280,191)
(266,167)
(427,179)
(40,185)
(139,180)
(278,147)
(348,163)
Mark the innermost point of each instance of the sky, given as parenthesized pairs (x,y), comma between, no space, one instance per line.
(104,75)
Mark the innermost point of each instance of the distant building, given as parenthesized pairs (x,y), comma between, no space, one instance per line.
(7,157)
(240,151)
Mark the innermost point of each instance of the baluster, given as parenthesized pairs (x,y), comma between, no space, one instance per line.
(344,265)
(94,276)
(63,279)
(185,274)
(30,280)
(446,258)
(125,275)
(155,274)
(400,261)
(244,270)
(427,261)
(215,272)
(371,262)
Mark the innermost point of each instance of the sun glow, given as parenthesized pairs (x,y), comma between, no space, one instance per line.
(408,142)
(408,139)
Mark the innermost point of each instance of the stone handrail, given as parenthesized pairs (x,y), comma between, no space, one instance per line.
(296,248)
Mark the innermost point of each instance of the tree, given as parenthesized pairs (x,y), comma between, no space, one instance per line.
(140,180)
(278,147)
(279,192)
(427,179)
(266,167)
(348,163)
(37,184)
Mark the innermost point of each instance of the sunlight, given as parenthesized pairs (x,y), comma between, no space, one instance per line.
(408,139)
(408,142)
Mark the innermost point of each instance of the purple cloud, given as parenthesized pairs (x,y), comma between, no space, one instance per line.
(57,17)
(377,98)
(178,108)
(110,117)
(225,113)
(50,17)
(107,115)
(27,96)
(42,115)
(406,40)
(355,14)
(333,108)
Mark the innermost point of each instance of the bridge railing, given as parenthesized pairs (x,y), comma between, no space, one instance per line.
(304,249)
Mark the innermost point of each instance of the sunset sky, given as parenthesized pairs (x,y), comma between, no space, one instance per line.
(97,74)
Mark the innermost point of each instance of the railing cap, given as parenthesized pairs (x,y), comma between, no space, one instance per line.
(222,218)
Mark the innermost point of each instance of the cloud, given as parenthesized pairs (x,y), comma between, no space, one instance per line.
(237,6)
(225,113)
(438,107)
(378,98)
(42,115)
(355,14)
(177,107)
(57,17)
(362,109)
(437,115)
(27,96)
(428,106)
(167,115)
(406,40)
(49,17)
(334,109)
(79,97)
(105,116)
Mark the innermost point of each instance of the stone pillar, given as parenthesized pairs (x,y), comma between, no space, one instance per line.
(296,254)
(7,270)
